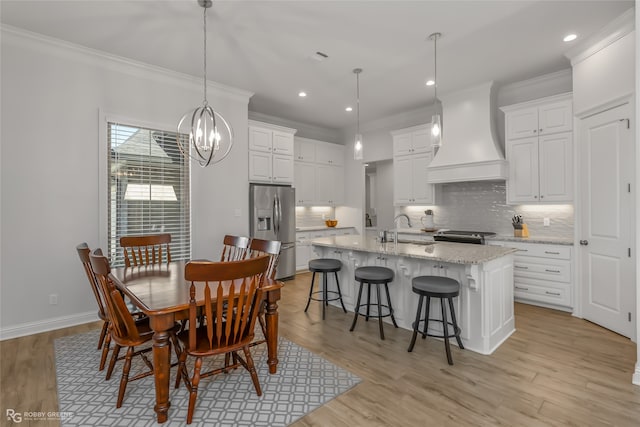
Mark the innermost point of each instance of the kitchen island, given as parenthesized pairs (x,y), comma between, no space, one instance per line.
(484,308)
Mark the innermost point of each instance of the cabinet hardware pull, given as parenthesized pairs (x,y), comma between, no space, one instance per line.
(522,267)
(521,288)
(552,293)
(552,253)
(552,271)
(523,250)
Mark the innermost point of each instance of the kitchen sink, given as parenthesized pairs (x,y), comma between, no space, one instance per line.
(416,242)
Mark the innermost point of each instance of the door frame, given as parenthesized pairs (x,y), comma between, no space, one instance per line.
(578,217)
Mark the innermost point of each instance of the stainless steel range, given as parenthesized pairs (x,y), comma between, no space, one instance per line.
(459,236)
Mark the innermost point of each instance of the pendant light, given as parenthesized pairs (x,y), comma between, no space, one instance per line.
(357,144)
(203,134)
(436,123)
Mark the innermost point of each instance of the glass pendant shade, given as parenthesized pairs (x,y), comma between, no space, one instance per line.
(436,133)
(357,148)
(357,143)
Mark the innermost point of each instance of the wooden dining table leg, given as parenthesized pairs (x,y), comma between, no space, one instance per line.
(161,325)
(271,319)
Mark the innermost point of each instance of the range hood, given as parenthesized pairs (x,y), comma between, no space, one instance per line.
(469,150)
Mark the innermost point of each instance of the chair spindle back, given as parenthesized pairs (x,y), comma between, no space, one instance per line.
(146,250)
(234,248)
(237,287)
(260,247)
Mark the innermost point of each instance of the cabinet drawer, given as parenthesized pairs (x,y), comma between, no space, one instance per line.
(302,237)
(546,292)
(559,271)
(541,250)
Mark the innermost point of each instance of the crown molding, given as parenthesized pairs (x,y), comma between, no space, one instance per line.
(116,63)
(544,80)
(304,129)
(609,34)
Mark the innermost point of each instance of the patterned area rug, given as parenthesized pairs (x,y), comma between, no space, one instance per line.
(304,382)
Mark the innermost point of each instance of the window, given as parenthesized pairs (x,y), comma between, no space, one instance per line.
(148,190)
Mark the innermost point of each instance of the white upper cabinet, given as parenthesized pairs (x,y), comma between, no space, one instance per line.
(318,173)
(539,150)
(304,150)
(270,153)
(330,154)
(553,115)
(304,179)
(411,141)
(411,157)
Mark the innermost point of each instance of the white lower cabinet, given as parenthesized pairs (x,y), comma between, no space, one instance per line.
(542,274)
(304,251)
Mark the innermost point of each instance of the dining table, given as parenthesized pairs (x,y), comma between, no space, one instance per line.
(161,292)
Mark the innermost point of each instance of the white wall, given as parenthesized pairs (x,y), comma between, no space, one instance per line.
(51,97)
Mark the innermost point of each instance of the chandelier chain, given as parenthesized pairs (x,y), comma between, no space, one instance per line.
(205,56)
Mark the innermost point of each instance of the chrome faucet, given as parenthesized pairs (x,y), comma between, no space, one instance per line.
(395,234)
(402,215)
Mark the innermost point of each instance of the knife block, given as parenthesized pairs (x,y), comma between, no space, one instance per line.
(521,232)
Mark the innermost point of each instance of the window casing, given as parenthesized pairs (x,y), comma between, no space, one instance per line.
(148,189)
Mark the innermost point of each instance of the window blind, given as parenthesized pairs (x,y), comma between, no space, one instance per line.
(148,189)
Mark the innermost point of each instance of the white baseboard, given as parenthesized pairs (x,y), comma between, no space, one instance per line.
(31,328)
(636,374)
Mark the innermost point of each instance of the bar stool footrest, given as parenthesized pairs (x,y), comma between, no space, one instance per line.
(337,298)
(375,316)
(457,329)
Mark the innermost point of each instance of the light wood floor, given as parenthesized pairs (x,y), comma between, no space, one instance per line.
(555,370)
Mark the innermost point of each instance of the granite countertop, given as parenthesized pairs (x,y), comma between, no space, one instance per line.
(456,253)
(551,240)
(321,227)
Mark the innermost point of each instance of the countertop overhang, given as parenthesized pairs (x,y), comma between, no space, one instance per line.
(456,253)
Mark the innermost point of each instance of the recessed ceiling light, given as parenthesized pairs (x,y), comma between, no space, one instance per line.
(348,109)
(430,82)
(570,37)
(302,94)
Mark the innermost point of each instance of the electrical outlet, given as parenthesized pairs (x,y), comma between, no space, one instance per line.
(237,213)
(53,299)
(546,222)
(324,216)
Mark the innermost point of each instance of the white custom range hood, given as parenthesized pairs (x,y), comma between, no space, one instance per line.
(469,151)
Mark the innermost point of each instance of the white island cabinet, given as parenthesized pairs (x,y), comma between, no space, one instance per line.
(484,308)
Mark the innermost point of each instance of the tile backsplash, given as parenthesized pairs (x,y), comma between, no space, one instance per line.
(313,216)
(481,206)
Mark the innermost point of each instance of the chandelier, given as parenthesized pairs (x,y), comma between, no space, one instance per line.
(203,134)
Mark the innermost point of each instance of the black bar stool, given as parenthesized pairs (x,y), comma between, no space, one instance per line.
(325,266)
(374,275)
(436,287)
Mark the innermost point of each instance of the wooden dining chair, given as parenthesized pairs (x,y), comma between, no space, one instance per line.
(125,330)
(148,249)
(104,342)
(234,248)
(232,294)
(259,247)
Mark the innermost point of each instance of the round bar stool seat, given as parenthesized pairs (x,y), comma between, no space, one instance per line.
(325,266)
(436,287)
(374,275)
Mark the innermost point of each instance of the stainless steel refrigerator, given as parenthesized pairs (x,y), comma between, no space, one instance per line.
(273,217)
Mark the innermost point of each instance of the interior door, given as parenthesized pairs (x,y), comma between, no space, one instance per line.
(607,230)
